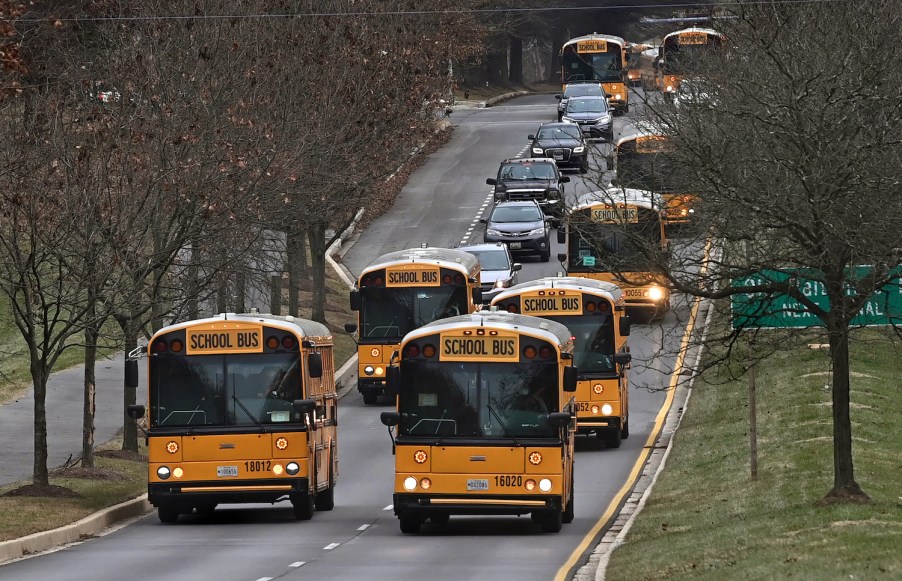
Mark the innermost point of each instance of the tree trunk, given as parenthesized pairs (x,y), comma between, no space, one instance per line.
(317,240)
(130,394)
(90,386)
(515,72)
(297,266)
(844,485)
(554,70)
(40,475)
(193,286)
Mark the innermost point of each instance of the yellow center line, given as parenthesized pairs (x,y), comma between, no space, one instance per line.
(612,509)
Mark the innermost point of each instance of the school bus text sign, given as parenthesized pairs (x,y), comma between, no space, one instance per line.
(779,311)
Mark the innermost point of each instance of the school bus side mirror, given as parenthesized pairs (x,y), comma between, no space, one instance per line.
(355,300)
(625,325)
(570,378)
(491,181)
(561,238)
(392,379)
(131,374)
(303,406)
(390,419)
(135,412)
(477,296)
(559,419)
(622,358)
(315,364)
(350,327)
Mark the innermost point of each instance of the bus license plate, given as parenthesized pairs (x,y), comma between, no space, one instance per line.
(226,471)
(515,245)
(480,484)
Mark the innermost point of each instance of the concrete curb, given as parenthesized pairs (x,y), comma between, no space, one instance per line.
(469,104)
(89,526)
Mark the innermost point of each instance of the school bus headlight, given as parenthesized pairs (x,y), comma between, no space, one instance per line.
(163,472)
(425,483)
(598,388)
(369,370)
(618,96)
(281,443)
(292,468)
(606,409)
(544,485)
(277,469)
(410,483)
(595,410)
(670,88)
(380,372)
(655,293)
(172,446)
(530,485)
(535,458)
(420,456)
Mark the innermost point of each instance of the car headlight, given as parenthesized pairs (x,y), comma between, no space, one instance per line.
(502,283)
(579,149)
(536,231)
(538,150)
(567,119)
(493,232)
(603,120)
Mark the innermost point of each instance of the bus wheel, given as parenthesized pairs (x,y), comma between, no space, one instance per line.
(410,523)
(612,438)
(439,518)
(625,431)
(167,514)
(369,398)
(550,521)
(303,506)
(545,256)
(325,500)
(569,512)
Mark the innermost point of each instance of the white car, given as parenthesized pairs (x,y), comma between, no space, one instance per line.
(499,271)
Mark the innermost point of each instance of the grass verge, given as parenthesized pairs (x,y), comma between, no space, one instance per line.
(706,518)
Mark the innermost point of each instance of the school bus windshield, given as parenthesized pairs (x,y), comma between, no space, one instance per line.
(650,171)
(613,247)
(486,400)
(221,390)
(600,66)
(391,313)
(593,345)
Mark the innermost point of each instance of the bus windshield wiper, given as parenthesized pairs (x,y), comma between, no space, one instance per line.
(503,426)
(253,419)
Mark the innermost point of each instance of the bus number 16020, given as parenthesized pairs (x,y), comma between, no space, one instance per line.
(508,480)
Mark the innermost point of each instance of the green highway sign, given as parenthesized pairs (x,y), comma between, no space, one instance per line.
(779,311)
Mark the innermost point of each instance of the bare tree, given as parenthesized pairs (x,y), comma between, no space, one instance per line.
(791,141)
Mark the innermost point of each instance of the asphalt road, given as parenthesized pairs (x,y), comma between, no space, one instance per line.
(360,538)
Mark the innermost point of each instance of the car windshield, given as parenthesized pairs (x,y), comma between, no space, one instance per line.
(527,171)
(495,259)
(559,132)
(587,106)
(516,214)
(588,89)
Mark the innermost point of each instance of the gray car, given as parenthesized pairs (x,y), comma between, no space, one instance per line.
(522,226)
(583,89)
(593,115)
(499,271)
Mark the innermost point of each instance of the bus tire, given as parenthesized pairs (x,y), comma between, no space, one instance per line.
(612,438)
(369,398)
(325,499)
(410,523)
(551,521)
(303,506)
(167,514)
(545,256)
(569,512)
(625,431)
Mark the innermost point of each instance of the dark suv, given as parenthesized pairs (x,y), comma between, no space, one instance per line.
(531,179)
(562,142)
(522,226)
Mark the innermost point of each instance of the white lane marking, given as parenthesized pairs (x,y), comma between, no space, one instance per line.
(297,564)
(363,527)
(330,546)
(265,579)
(389,507)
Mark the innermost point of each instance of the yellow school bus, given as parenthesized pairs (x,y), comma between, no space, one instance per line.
(484,423)
(401,291)
(600,58)
(642,161)
(241,408)
(594,312)
(618,235)
(676,55)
